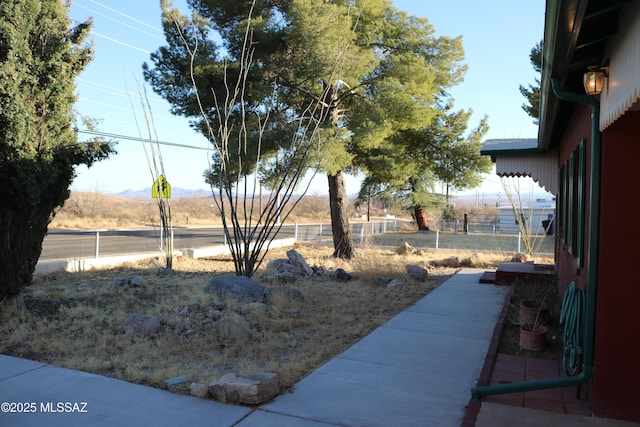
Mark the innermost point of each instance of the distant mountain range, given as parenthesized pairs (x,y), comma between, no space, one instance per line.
(469,199)
(176,192)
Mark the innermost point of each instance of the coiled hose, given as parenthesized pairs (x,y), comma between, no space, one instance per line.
(571,316)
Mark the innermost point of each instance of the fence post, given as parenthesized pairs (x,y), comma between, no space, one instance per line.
(519,239)
(97,253)
(320,232)
(361,235)
(437,238)
(295,232)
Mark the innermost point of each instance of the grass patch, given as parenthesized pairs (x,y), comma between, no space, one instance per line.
(75,320)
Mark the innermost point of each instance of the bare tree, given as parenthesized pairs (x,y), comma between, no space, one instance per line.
(161,190)
(239,133)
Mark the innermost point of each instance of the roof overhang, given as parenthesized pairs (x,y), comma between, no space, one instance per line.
(575,37)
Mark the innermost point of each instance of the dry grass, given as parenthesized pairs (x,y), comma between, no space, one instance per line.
(76,320)
(95,210)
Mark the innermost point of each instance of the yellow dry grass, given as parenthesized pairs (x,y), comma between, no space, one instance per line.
(75,320)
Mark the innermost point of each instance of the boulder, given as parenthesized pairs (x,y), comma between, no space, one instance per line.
(131,283)
(240,288)
(339,275)
(405,249)
(417,272)
(382,281)
(298,260)
(280,266)
(142,324)
(248,389)
(199,390)
(395,283)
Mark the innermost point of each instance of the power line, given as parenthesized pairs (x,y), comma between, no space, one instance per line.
(120,42)
(133,27)
(126,16)
(128,109)
(115,91)
(138,139)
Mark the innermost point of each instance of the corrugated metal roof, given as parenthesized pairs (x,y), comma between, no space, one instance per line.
(498,145)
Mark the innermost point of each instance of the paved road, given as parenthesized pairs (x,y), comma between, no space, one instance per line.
(66,244)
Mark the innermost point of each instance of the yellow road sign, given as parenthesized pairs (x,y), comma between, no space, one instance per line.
(161,188)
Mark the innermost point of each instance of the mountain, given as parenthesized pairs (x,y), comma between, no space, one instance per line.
(176,192)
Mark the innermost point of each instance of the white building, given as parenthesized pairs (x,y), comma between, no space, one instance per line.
(532,216)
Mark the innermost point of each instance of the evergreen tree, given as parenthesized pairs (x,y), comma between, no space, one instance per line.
(413,161)
(373,71)
(41,52)
(532,93)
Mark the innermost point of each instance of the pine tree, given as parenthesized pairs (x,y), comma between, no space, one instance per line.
(532,93)
(372,69)
(40,54)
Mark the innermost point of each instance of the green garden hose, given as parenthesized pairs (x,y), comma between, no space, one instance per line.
(572,315)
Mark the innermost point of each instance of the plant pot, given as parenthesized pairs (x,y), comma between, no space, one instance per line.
(529,311)
(535,340)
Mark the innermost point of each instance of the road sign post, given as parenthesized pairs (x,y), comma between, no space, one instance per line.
(161,188)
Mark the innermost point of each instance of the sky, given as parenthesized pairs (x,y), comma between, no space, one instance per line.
(497,37)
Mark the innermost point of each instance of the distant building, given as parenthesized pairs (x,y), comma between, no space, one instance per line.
(537,217)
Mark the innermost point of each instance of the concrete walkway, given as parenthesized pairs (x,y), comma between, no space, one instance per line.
(415,370)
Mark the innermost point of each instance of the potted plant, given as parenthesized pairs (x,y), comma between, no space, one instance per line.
(533,336)
(530,309)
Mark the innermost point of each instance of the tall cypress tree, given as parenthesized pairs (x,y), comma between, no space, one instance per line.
(41,52)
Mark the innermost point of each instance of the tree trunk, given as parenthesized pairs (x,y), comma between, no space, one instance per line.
(342,240)
(421,219)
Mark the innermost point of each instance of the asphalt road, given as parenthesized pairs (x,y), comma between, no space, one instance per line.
(67,244)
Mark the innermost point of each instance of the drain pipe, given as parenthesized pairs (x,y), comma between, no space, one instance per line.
(592,265)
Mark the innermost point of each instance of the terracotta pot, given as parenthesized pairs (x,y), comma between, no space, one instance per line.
(533,340)
(528,312)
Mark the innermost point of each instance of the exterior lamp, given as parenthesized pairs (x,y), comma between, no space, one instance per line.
(594,80)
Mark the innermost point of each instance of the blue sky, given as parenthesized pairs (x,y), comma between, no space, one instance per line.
(497,37)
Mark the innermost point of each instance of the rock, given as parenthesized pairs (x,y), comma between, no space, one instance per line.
(452,262)
(395,283)
(298,260)
(520,257)
(405,249)
(282,266)
(142,324)
(382,281)
(285,292)
(130,282)
(199,390)
(248,389)
(240,288)
(418,273)
(471,261)
(339,275)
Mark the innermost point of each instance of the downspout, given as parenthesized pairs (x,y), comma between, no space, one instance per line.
(592,265)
